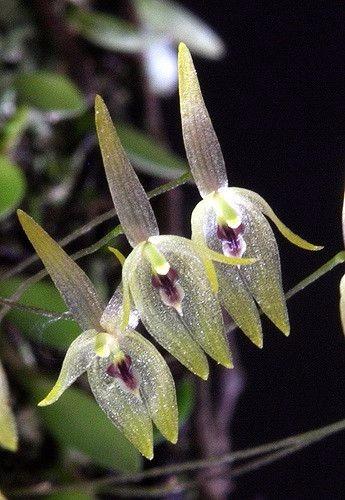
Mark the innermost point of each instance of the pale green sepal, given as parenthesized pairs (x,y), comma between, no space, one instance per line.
(264,207)
(162,322)
(122,406)
(78,358)
(112,316)
(201,319)
(233,292)
(342,302)
(157,387)
(8,427)
(264,276)
(74,286)
(130,200)
(202,147)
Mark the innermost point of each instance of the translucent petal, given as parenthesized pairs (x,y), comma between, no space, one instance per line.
(202,147)
(8,428)
(124,407)
(157,387)
(78,358)
(264,276)
(130,200)
(75,287)
(262,205)
(233,292)
(178,23)
(201,320)
(342,302)
(111,319)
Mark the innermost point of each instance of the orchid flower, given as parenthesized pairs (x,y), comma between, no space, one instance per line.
(171,282)
(129,378)
(232,220)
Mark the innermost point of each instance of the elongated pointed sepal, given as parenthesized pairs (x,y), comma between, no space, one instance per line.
(267,210)
(8,428)
(157,387)
(233,292)
(75,287)
(124,407)
(130,200)
(78,358)
(202,147)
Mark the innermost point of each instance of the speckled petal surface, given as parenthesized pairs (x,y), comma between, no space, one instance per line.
(123,407)
(201,322)
(78,358)
(233,292)
(264,276)
(157,387)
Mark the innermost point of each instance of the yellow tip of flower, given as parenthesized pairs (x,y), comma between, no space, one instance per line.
(44,402)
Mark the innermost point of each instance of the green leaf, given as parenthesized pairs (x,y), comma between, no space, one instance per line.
(178,23)
(49,92)
(77,422)
(108,32)
(148,156)
(12,186)
(58,334)
(13,129)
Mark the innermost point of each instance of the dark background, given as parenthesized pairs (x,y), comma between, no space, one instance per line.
(277,104)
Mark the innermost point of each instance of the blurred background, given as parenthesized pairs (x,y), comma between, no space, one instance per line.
(273,79)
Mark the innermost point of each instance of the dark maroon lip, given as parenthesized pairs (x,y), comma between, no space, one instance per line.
(232,239)
(167,283)
(124,371)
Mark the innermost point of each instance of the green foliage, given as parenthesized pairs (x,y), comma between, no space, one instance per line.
(12,186)
(76,422)
(58,334)
(49,92)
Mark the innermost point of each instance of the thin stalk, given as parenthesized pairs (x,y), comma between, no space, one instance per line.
(272,451)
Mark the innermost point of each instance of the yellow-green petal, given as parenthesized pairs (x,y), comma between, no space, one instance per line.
(201,319)
(130,200)
(8,427)
(202,147)
(263,278)
(160,320)
(233,292)
(157,387)
(122,406)
(262,205)
(74,286)
(78,358)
